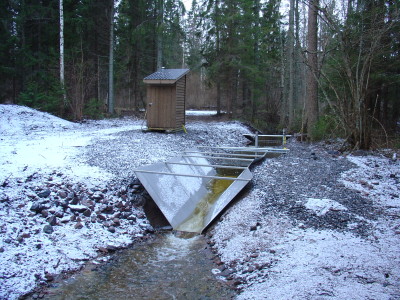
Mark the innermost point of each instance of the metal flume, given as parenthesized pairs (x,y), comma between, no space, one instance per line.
(191,190)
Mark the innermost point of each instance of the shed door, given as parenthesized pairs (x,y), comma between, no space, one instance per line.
(161,106)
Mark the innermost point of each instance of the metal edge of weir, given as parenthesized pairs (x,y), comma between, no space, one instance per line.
(179,206)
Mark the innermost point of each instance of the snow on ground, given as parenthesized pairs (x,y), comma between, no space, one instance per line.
(314,224)
(201,112)
(280,242)
(32,141)
(38,152)
(72,177)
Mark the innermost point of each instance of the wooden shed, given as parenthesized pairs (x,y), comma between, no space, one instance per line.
(166,94)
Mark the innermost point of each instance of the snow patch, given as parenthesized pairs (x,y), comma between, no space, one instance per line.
(322,206)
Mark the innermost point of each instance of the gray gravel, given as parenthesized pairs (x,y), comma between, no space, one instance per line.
(312,171)
(128,150)
(307,171)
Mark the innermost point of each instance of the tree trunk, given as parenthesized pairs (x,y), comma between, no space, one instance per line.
(312,74)
(62,80)
(291,64)
(111,63)
(160,19)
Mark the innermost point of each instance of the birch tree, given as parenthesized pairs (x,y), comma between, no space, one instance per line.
(62,69)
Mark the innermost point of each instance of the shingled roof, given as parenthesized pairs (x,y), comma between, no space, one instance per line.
(167,76)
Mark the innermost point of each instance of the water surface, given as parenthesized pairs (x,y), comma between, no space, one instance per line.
(170,267)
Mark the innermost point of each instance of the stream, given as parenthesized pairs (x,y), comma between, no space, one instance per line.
(169,267)
(174,265)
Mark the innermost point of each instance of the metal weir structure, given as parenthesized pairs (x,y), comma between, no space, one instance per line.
(191,190)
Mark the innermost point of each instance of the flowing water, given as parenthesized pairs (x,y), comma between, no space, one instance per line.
(172,266)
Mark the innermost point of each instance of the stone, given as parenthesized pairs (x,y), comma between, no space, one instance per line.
(103,250)
(111,248)
(52,220)
(65,219)
(334,153)
(62,194)
(109,209)
(111,229)
(4,198)
(44,194)
(78,225)
(218,261)
(116,222)
(64,204)
(77,208)
(37,207)
(101,217)
(97,195)
(48,229)
(26,235)
(48,276)
(45,213)
(59,214)
(75,200)
(131,218)
(87,212)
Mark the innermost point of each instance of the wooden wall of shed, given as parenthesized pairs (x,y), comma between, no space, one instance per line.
(161,111)
(180,102)
(167,109)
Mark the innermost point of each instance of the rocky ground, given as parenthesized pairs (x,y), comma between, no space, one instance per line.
(313,224)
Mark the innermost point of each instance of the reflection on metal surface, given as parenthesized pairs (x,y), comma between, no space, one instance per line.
(193,189)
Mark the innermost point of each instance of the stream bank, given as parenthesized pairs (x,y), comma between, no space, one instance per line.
(171,265)
(329,222)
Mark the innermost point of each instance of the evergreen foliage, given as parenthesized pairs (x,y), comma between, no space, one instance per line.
(244,58)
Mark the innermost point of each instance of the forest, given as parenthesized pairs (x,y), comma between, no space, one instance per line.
(325,68)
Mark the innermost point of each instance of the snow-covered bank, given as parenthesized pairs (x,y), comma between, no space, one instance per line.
(67,192)
(314,225)
(303,232)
